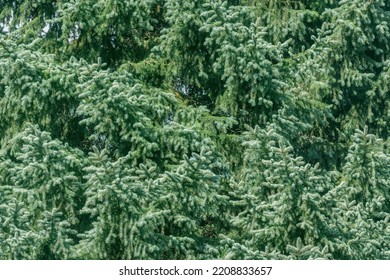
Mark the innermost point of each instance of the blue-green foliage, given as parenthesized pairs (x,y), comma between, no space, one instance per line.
(41,188)
(205,129)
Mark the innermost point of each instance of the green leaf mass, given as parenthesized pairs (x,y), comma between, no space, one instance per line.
(204,129)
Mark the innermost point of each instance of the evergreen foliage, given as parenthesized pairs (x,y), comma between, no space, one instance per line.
(205,129)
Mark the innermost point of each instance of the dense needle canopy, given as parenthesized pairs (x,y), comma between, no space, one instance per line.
(204,129)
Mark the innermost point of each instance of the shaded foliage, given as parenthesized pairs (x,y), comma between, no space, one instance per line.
(171,129)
